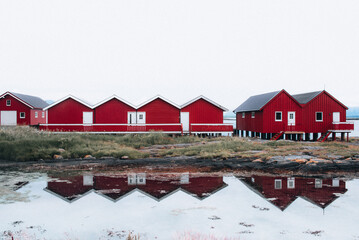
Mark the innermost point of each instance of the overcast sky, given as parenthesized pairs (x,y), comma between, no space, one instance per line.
(226,50)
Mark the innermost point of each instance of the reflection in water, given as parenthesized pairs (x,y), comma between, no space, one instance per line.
(106,206)
(282,191)
(116,187)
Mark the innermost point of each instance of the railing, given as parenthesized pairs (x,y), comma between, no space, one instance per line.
(342,126)
(115,128)
(210,127)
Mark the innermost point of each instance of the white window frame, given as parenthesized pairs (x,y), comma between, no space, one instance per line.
(36,114)
(281,116)
(43,114)
(243,115)
(277,181)
(253,114)
(291,183)
(316,119)
(22,113)
(8,102)
(335,182)
(318,183)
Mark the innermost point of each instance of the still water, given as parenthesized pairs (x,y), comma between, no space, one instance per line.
(176,206)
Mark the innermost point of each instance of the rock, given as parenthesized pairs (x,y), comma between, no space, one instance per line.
(258,160)
(125,157)
(88,156)
(301,160)
(56,156)
(61,150)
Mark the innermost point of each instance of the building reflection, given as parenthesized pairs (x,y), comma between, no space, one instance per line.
(117,186)
(282,191)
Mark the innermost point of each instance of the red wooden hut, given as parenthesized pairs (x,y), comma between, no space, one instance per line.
(113,114)
(323,114)
(21,109)
(158,114)
(69,114)
(202,115)
(270,115)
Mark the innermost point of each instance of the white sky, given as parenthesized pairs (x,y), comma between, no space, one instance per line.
(226,50)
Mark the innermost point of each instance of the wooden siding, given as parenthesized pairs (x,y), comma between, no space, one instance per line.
(113,111)
(248,123)
(322,103)
(284,103)
(39,119)
(159,111)
(67,112)
(202,111)
(18,107)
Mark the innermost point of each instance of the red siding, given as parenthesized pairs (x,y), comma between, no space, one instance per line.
(322,103)
(264,121)
(159,111)
(113,111)
(68,111)
(284,103)
(18,107)
(39,119)
(202,111)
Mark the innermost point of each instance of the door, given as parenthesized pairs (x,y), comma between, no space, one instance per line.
(87,118)
(131,117)
(185,121)
(141,118)
(336,116)
(291,118)
(8,118)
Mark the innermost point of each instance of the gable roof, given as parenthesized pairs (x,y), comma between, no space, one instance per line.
(306,97)
(257,102)
(158,97)
(206,99)
(67,97)
(114,97)
(30,101)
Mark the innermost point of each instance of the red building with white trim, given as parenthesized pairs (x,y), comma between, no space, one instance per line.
(21,109)
(202,115)
(278,115)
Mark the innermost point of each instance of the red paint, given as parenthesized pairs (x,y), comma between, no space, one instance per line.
(112,111)
(327,104)
(17,106)
(202,111)
(68,111)
(264,120)
(160,111)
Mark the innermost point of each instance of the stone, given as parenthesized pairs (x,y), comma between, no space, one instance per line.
(56,156)
(125,157)
(88,156)
(61,150)
(258,160)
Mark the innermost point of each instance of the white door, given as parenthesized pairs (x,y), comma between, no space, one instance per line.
(185,121)
(131,117)
(141,118)
(87,118)
(8,118)
(291,118)
(336,116)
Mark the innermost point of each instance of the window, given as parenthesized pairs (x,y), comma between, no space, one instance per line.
(253,114)
(319,116)
(43,114)
(335,183)
(184,178)
(36,114)
(87,180)
(22,115)
(243,115)
(278,116)
(8,102)
(278,184)
(291,183)
(140,116)
(318,183)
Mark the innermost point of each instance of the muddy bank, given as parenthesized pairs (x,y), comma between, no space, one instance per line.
(300,164)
